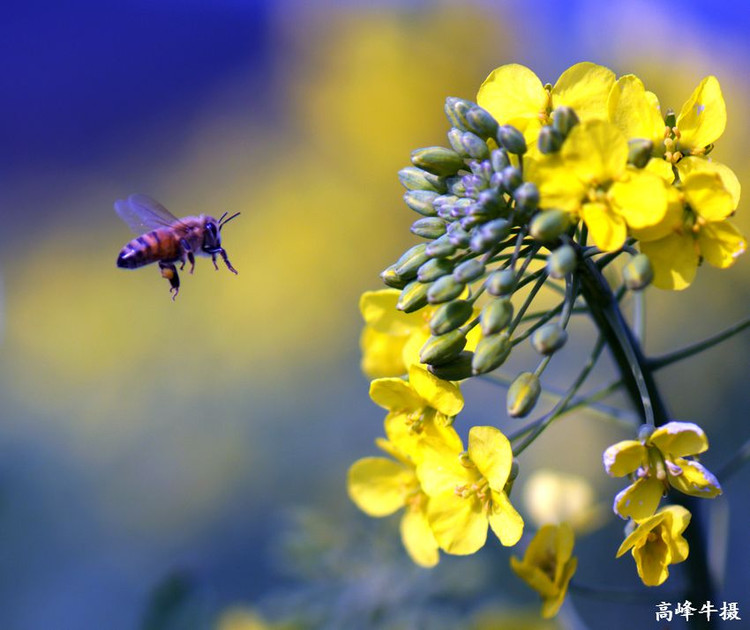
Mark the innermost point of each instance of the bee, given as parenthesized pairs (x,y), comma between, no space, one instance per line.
(167,240)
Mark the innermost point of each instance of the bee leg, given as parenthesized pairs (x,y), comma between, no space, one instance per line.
(187,252)
(226,261)
(169,271)
(191,259)
(213,260)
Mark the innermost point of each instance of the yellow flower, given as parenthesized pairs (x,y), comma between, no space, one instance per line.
(240,618)
(548,565)
(695,226)
(657,542)
(467,491)
(657,462)
(514,95)
(591,179)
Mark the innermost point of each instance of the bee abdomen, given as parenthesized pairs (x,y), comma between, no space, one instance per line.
(141,251)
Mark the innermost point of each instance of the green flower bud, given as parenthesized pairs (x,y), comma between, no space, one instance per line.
(549,338)
(548,225)
(441,248)
(639,151)
(550,140)
(421,201)
(456,109)
(481,122)
(491,352)
(415,178)
(437,160)
(474,146)
(456,369)
(468,270)
(444,289)
(411,260)
(522,394)
(428,227)
(527,197)
(443,348)
(499,160)
(450,316)
(511,139)
(496,316)
(563,120)
(391,279)
(561,262)
(413,297)
(434,269)
(670,119)
(512,178)
(638,272)
(501,282)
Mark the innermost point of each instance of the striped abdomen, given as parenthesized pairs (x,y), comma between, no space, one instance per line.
(161,244)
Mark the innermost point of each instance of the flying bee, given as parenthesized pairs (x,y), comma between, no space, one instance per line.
(167,240)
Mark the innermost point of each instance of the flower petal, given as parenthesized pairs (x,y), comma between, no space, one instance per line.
(703,116)
(418,538)
(672,220)
(505,521)
(394,394)
(551,606)
(641,198)
(607,229)
(534,577)
(439,394)
(378,486)
(677,439)
(378,309)
(558,186)
(652,558)
(678,518)
(459,525)
(695,480)
(491,453)
(691,164)
(585,87)
(624,458)
(706,195)
(674,259)
(381,353)
(596,150)
(721,243)
(634,112)
(640,534)
(440,471)
(639,500)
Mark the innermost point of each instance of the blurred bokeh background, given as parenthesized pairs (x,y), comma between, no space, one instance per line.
(162,462)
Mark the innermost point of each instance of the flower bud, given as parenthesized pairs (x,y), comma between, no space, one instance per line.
(511,139)
(457,235)
(522,394)
(511,178)
(428,227)
(549,338)
(490,353)
(561,262)
(501,282)
(457,369)
(415,178)
(434,269)
(468,270)
(413,297)
(474,146)
(440,248)
(481,122)
(496,316)
(563,120)
(638,272)
(411,260)
(499,160)
(437,160)
(450,316)
(444,289)
(456,109)
(391,279)
(454,139)
(527,197)
(550,140)
(639,151)
(442,348)
(421,201)
(548,225)
(670,118)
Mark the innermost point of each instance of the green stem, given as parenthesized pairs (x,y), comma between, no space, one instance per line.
(734,464)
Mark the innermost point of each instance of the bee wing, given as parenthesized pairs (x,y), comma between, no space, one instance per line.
(142,213)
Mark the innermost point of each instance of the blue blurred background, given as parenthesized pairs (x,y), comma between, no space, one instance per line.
(205,442)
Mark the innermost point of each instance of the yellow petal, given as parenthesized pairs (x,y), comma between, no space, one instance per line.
(692,164)
(596,151)
(378,486)
(514,95)
(662,168)
(703,116)
(534,577)
(381,353)
(551,606)
(677,439)
(441,471)
(640,534)
(413,345)
(505,521)
(378,309)
(674,259)
(607,229)
(721,243)
(672,220)
(695,480)
(585,87)
(676,522)
(459,525)
(558,186)
(491,453)
(439,394)
(706,195)
(640,198)
(624,458)
(639,500)
(635,113)
(418,538)
(394,394)
(652,559)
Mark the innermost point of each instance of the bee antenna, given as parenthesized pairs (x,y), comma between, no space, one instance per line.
(223,221)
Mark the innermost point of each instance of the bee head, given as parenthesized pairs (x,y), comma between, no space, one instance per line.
(212,232)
